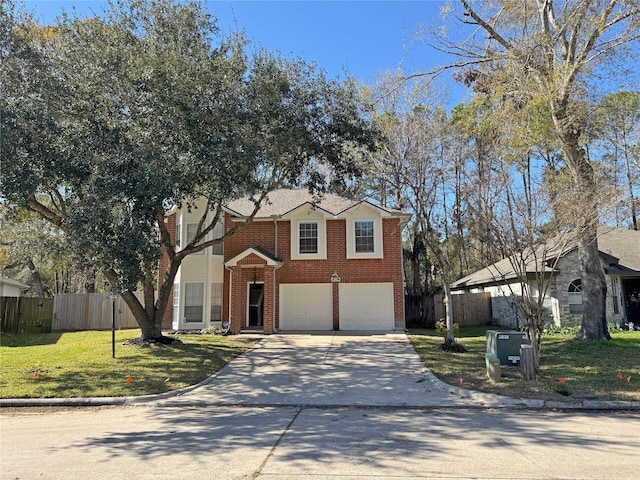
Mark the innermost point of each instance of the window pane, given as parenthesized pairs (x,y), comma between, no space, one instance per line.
(309,237)
(218,231)
(192,228)
(178,234)
(193,301)
(364,237)
(176,301)
(216,302)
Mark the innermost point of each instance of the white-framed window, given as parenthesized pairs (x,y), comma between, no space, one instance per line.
(192,228)
(575,297)
(615,289)
(194,302)
(364,236)
(308,237)
(178,235)
(176,302)
(217,232)
(216,302)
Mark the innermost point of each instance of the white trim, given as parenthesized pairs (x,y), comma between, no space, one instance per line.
(378,247)
(244,254)
(183,297)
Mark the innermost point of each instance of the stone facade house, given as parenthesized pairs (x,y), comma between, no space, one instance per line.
(620,260)
(301,264)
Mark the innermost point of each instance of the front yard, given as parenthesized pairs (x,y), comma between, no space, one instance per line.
(79,364)
(570,369)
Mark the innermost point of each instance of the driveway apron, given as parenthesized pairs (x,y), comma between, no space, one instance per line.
(336,369)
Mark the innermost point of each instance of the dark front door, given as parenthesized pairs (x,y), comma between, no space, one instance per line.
(631,289)
(256,304)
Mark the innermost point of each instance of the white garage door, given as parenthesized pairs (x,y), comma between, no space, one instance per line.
(366,306)
(307,306)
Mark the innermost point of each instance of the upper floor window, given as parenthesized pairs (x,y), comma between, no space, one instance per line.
(308,237)
(192,229)
(178,235)
(364,236)
(575,297)
(217,232)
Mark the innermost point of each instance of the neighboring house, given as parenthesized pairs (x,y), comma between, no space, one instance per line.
(10,287)
(334,264)
(620,260)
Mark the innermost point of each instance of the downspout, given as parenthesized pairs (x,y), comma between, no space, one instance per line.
(275,234)
(273,272)
(230,287)
(403,223)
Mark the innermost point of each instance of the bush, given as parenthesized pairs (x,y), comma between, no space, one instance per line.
(441,327)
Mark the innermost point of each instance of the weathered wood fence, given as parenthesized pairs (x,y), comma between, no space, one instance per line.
(468,309)
(26,315)
(91,311)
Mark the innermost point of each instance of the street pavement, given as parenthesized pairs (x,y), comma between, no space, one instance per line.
(314,406)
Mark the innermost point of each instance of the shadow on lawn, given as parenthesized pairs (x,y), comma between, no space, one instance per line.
(29,339)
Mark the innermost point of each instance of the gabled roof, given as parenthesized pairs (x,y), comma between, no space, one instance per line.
(623,245)
(283,202)
(268,257)
(620,248)
(502,271)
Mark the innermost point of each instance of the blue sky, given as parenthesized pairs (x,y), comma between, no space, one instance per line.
(364,38)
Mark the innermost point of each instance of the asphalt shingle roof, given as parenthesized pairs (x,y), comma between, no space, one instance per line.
(622,244)
(283,201)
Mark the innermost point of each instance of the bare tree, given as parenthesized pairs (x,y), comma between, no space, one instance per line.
(540,56)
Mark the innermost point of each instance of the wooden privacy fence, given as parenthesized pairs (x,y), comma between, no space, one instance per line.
(468,308)
(91,311)
(26,315)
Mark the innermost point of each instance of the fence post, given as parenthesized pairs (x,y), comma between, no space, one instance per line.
(113,326)
(527,366)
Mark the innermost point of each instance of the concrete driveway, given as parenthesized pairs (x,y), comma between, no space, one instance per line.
(328,369)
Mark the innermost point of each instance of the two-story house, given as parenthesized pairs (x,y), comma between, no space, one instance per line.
(331,265)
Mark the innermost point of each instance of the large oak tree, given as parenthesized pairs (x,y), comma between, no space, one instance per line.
(543,56)
(110,121)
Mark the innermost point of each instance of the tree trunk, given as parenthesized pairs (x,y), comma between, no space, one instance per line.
(37,279)
(448,313)
(594,290)
(594,287)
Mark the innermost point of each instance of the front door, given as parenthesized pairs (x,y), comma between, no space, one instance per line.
(632,300)
(256,304)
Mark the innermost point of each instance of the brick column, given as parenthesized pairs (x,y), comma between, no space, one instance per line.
(269,301)
(238,298)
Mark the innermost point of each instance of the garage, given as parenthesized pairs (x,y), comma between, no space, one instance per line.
(366,306)
(307,306)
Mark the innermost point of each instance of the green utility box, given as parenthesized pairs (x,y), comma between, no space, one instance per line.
(506,345)
(493,367)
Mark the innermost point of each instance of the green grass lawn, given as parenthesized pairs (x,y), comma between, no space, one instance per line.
(585,367)
(79,364)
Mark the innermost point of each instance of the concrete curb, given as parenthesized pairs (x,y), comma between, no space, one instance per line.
(472,400)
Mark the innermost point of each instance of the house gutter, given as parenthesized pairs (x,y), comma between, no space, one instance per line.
(275,234)
(273,272)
